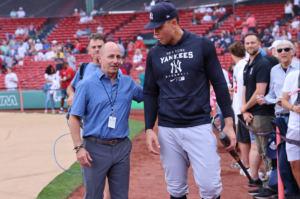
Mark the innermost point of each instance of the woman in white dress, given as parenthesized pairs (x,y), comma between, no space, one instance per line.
(50,78)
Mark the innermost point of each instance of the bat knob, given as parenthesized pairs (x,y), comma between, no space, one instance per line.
(224,139)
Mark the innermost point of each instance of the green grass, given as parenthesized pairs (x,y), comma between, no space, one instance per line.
(66,183)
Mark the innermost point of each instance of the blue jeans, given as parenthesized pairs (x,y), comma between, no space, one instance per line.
(48,99)
(75,51)
(286,118)
(252,137)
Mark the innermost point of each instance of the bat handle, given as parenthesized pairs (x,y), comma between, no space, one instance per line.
(224,139)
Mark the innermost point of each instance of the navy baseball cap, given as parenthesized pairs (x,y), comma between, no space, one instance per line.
(160,13)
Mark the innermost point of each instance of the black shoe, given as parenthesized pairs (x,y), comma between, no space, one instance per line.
(256,191)
(267,193)
(256,183)
(288,197)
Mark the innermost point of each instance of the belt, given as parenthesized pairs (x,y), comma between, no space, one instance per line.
(107,142)
(283,114)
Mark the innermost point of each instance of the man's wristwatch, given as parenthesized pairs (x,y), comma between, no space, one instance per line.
(76,149)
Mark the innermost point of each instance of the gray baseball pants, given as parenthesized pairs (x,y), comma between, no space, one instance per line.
(180,147)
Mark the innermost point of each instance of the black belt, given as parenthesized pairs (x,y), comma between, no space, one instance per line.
(283,114)
(107,142)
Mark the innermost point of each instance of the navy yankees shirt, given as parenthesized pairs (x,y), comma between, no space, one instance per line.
(177,80)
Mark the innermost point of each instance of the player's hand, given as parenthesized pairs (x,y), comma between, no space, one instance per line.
(260,101)
(228,129)
(70,100)
(150,138)
(279,103)
(83,157)
(248,117)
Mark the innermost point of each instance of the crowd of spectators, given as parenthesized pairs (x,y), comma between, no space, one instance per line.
(249,25)
(14,49)
(265,87)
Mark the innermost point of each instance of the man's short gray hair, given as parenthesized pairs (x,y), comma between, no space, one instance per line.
(286,42)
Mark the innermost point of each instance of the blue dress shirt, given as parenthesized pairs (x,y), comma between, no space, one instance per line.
(92,103)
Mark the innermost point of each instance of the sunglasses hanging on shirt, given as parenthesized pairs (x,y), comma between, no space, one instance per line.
(285,49)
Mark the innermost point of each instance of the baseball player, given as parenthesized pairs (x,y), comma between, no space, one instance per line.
(178,70)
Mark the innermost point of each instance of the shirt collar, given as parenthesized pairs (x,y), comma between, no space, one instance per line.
(100,74)
(293,64)
(257,57)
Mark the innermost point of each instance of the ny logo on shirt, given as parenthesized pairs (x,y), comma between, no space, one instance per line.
(176,66)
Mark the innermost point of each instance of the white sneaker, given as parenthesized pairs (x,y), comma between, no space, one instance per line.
(53,111)
(46,111)
(61,111)
(243,173)
(261,175)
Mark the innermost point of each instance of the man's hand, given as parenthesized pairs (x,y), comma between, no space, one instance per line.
(83,157)
(150,138)
(228,129)
(259,100)
(279,103)
(243,109)
(248,117)
(70,100)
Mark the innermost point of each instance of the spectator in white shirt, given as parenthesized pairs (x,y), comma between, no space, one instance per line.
(21,51)
(209,10)
(38,46)
(94,12)
(100,29)
(288,11)
(49,55)
(83,19)
(291,102)
(39,56)
(82,13)
(19,31)
(21,13)
(295,23)
(11,80)
(138,57)
(152,3)
(206,18)
(202,9)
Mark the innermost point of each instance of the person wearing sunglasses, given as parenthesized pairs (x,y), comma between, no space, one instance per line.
(285,51)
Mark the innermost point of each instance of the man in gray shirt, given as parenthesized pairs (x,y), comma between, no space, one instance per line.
(71,60)
(8,61)
(286,51)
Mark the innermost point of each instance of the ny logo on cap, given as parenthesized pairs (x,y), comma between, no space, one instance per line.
(168,16)
(151,16)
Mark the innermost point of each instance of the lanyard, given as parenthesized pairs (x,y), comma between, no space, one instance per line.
(111,104)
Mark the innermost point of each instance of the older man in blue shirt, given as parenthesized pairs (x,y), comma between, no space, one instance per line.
(286,51)
(104,100)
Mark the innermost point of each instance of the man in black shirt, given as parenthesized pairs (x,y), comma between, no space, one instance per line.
(259,117)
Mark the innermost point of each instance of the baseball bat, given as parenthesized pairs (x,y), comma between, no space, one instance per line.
(226,142)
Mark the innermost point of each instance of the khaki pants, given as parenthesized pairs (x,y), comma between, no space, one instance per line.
(263,123)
